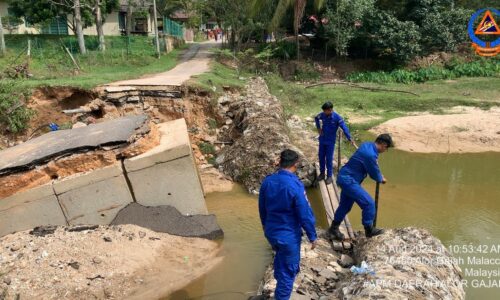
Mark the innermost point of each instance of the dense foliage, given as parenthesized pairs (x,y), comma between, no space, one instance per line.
(454,69)
(14,114)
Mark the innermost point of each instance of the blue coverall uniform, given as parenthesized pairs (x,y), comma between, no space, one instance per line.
(363,162)
(284,212)
(329,125)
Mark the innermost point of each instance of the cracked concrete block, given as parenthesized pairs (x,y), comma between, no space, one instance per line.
(174,143)
(167,174)
(25,210)
(175,183)
(94,197)
(79,180)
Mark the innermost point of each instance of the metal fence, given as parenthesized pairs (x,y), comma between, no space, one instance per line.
(173,28)
(41,45)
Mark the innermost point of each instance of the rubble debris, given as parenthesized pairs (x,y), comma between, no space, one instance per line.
(256,124)
(79,265)
(43,230)
(408,263)
(319,272)
(168,219)
(398,256)
(78,228)
(74,264)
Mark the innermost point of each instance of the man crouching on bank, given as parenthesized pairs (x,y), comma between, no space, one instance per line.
(284,212)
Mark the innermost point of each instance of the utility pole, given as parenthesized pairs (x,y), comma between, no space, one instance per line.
(157,37)
(2,39)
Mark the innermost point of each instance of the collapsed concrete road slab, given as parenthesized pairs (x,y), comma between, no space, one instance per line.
(167,174)
(29,209)
(48,146)
(95,197)
(168,219)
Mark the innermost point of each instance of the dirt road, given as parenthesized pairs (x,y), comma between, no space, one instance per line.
(194,62)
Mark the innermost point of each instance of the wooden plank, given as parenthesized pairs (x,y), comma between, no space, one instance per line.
(335,189)
(326,198)
(331,200)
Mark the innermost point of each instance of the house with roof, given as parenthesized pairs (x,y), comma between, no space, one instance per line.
(115,23)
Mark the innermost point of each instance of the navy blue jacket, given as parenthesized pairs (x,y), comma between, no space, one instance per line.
(330,124)
(284,208)
(362,162)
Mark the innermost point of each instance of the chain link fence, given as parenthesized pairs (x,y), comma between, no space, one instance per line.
(41,45)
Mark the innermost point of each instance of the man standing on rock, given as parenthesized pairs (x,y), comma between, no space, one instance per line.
(362,163)
(327,123)
(284,212)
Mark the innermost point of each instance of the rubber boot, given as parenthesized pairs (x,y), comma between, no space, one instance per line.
(334,232)
(329,180)
(372,231)
(321,177)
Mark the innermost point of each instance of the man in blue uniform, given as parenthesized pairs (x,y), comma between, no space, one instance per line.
(362,163)
(284,212)
(327,124)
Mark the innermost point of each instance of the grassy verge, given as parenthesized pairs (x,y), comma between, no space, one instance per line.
(96,69)
(433,97)
(217,78)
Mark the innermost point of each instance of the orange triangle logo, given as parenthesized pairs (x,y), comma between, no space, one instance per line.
(487,25)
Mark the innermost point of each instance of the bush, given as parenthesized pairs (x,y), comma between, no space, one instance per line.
(14,114)
(479,68)
(393,39)
(280,49)
(206,148)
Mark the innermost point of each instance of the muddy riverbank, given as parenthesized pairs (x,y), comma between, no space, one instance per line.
(467,130)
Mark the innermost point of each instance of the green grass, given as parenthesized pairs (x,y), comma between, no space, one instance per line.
(433,96)
(96,69)
(218,77)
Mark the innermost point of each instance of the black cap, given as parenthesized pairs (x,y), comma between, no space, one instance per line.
(288,158)
(385,138)
(327,105)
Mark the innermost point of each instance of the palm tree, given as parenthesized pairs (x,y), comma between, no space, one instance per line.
(298,12)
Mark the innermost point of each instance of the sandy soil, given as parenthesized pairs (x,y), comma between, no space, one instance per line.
(466,130)
(213,180)
(116,262)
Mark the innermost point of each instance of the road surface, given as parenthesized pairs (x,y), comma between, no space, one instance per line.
(194,62)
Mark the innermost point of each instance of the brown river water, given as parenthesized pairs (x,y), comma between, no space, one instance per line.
(455,196)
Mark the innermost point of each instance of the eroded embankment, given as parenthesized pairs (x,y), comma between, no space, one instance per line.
(408,263)
(257,133)
(106,262)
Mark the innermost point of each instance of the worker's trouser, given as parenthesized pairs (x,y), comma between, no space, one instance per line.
(353,192)
(325,154)
(286,267)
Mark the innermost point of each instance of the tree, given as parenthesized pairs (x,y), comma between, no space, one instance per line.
(44,11)
(100,9)
(390,38)
(2,38)
(345,17)
(441,23)
(281,9)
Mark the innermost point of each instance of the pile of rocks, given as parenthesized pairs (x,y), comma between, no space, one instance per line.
(321,272)
(255,125)
(409,263)
(406,263)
